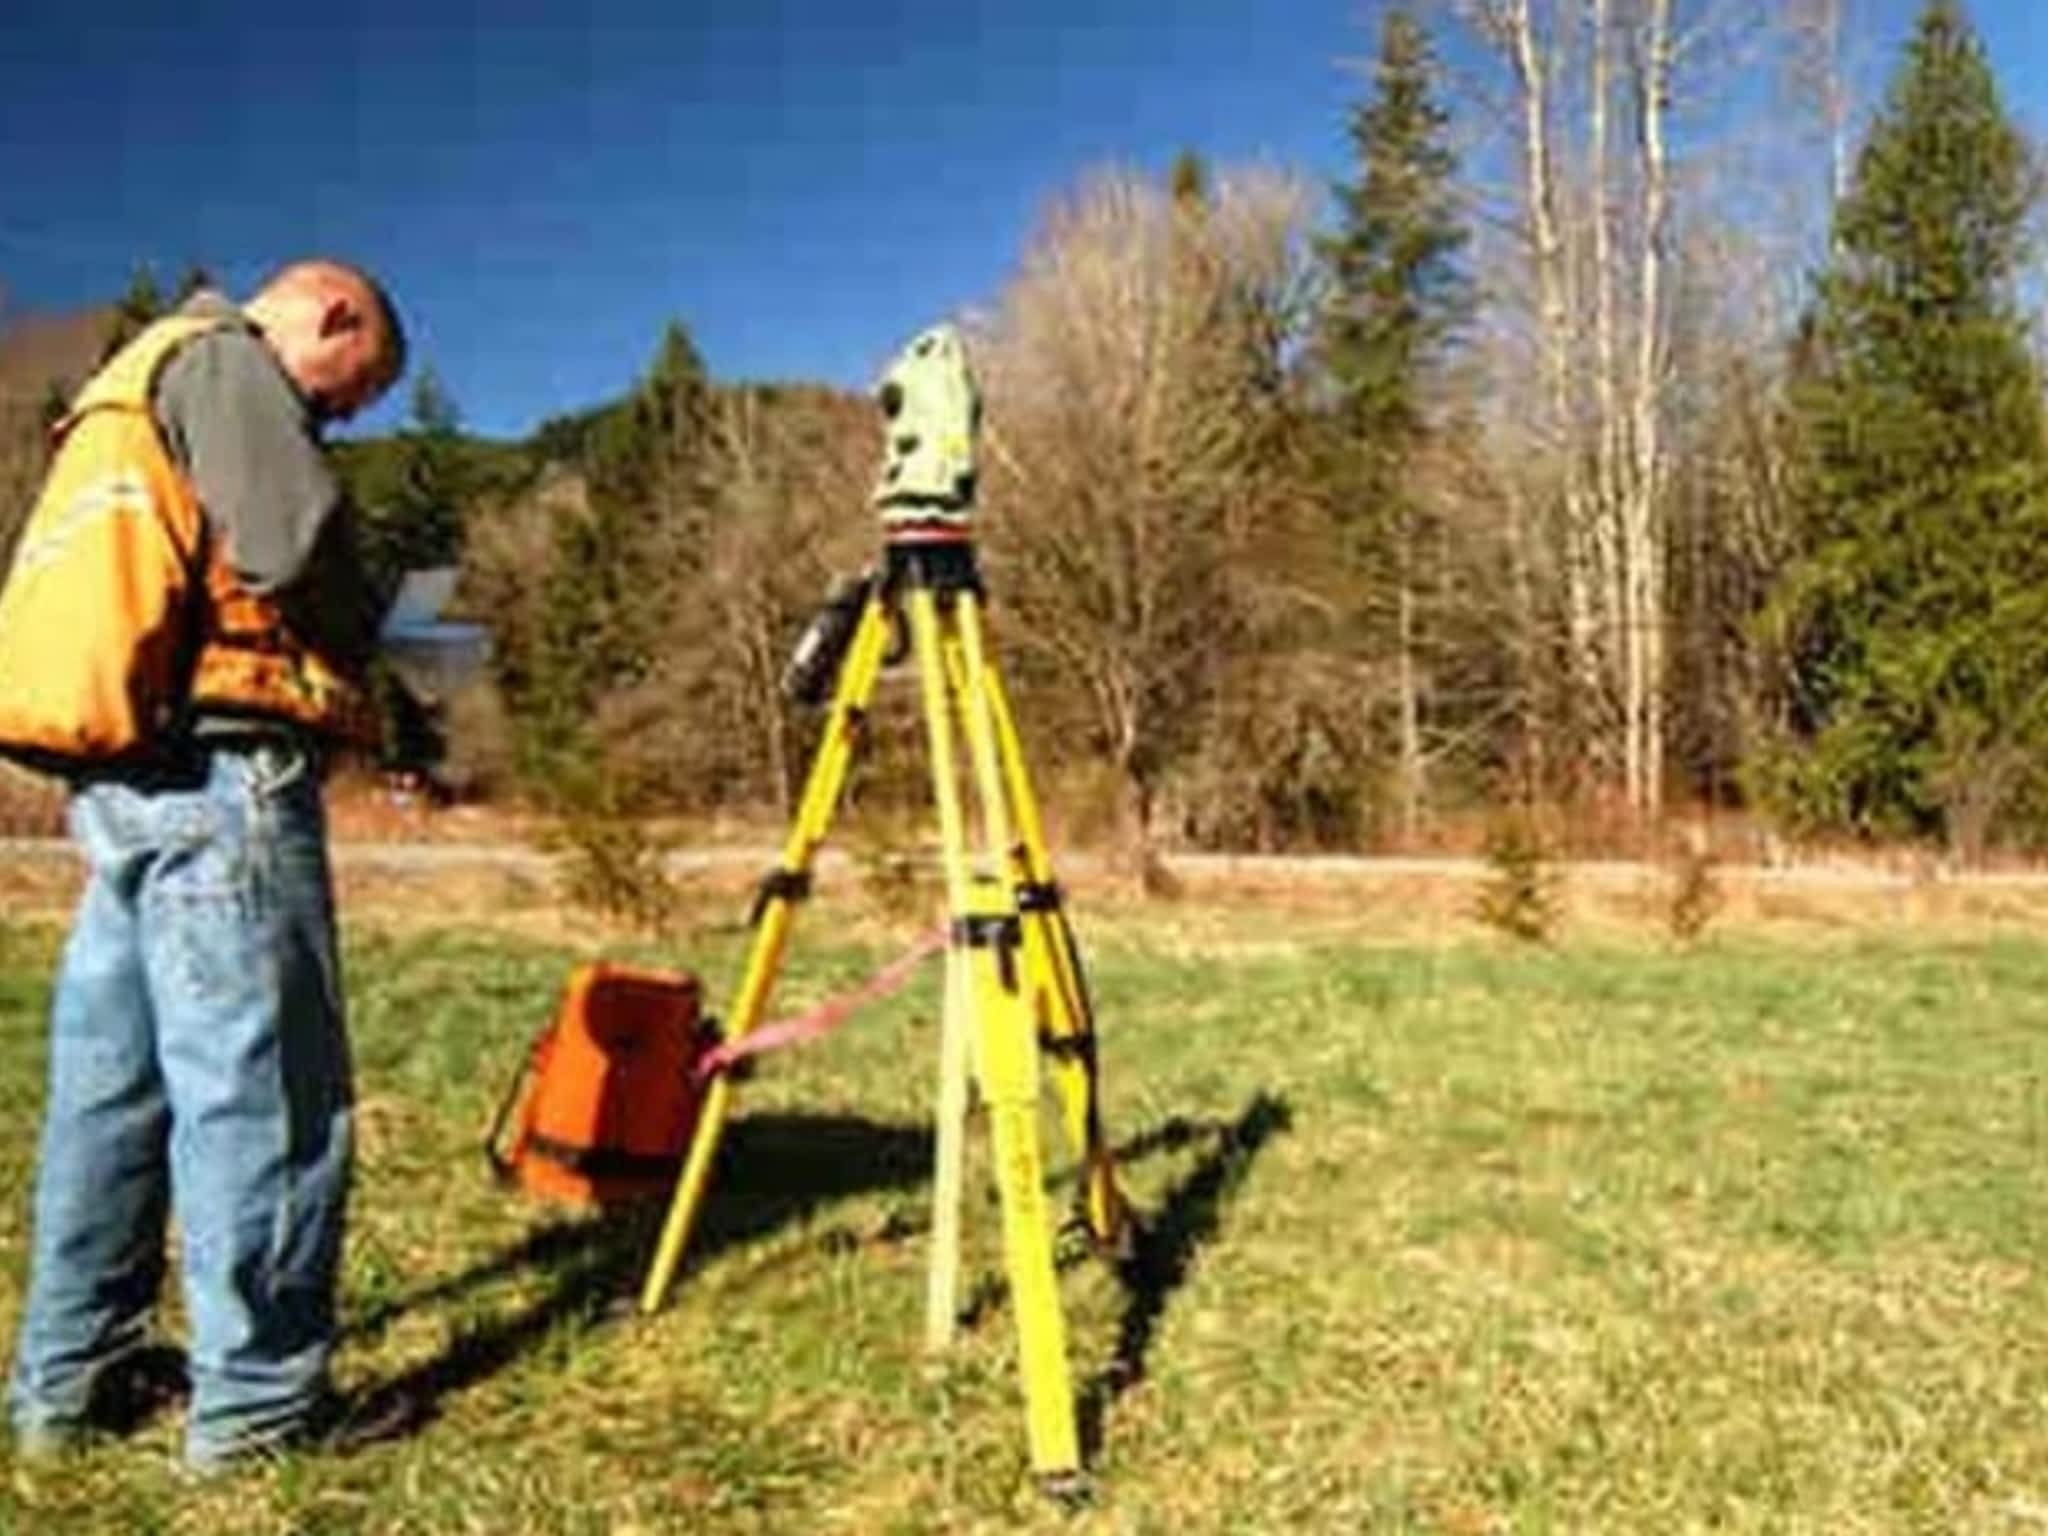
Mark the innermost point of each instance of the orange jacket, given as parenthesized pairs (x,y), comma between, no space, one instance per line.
(121,617)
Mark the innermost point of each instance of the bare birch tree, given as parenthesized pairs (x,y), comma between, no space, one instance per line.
(1818,65)
(1592,221)
(1643,519)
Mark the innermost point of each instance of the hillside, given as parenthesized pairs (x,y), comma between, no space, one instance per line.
(38,350)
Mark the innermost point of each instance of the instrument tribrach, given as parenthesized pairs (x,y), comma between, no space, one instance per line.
(1015,998)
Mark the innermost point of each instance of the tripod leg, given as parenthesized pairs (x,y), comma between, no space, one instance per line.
(1063,1011)
(780,892)
(1010,1084)
(985,926)
(985,940)
(942,1288)
(943,1285)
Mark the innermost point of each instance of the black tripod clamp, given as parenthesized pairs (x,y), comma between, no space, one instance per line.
(942,566)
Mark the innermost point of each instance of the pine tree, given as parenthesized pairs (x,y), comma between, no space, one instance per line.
(142,303)
(1397,294)
(434,411)
(613,582)
(412,489)
(641,457)
(56,401)
(1397,290)
(1911,623)
(435,485)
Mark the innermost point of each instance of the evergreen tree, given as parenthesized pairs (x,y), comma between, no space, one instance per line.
(614,578)
(1397,290)
(434,485)
(56,402)
(1396,296)
(141,303)
(640,458)
(1911,623)
(433,409)
(413,489)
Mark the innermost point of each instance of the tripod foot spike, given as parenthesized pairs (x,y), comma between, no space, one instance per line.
(1071,1491)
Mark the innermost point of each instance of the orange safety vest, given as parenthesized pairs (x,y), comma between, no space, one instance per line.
(120,615)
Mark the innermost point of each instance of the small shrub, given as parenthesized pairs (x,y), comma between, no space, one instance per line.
(1156,878)
(613,867)
(1694,895)
(615,862)
(1520,895)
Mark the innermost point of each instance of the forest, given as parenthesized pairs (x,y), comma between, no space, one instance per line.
(1643,428)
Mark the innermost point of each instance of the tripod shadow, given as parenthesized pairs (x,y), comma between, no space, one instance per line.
(773,1170)
(1164,1247)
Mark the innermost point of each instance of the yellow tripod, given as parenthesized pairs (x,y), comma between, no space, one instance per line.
(1014,991)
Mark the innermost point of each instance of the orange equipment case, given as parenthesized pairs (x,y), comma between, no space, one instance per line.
(605,1104)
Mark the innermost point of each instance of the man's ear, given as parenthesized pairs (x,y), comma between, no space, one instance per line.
(338,317)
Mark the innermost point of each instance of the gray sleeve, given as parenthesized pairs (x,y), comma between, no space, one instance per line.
(244,436)
(242,433)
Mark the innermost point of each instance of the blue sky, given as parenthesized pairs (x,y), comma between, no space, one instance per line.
(802,182)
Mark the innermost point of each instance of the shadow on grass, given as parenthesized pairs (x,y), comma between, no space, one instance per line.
(1164,1245)
(774,1169)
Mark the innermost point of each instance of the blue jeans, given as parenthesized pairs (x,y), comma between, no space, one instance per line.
(198,1062)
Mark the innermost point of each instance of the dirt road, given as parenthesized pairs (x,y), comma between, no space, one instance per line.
(1386,898)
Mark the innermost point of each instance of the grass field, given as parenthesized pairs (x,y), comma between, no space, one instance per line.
(1443,1236)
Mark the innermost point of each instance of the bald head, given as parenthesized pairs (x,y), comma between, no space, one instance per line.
(335,332)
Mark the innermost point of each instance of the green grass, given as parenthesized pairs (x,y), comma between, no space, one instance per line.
(1441,1239)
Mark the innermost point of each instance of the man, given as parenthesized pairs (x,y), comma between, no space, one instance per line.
(198,1056)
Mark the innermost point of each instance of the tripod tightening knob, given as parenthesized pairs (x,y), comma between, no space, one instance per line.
(933,415)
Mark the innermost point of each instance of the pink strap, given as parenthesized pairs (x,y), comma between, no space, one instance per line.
(824,1018)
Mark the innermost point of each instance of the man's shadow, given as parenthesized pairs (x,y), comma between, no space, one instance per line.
(774,1169)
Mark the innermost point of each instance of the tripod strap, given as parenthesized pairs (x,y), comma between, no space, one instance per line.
(824,1018)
